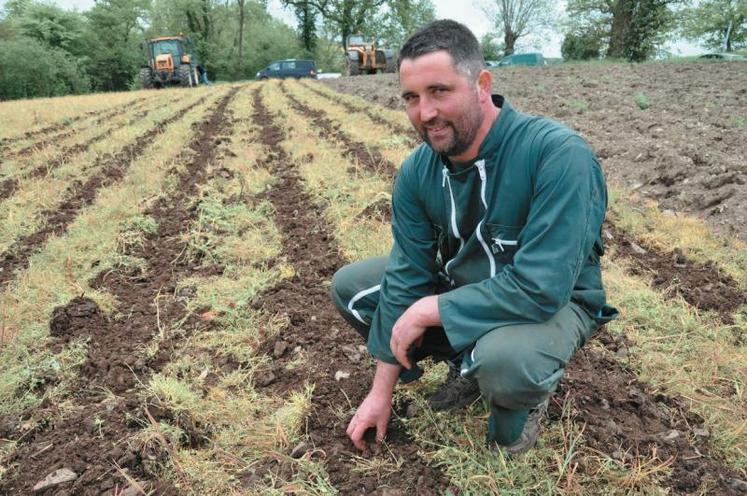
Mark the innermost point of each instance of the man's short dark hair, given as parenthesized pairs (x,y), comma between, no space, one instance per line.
(455,38)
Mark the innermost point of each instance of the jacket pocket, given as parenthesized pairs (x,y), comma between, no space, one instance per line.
(504,242)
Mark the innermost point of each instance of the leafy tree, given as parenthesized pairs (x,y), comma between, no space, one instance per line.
(346,16)
(721,24)
(306,15)
(114,36)
(399,19)
(630,29)
(519,18)
(53,26)
(580,46)
(32,69)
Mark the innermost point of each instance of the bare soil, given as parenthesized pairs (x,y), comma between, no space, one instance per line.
(687,150)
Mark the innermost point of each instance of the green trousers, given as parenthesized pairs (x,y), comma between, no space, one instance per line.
(516,366)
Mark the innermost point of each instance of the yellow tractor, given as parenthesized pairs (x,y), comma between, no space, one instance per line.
(171,61)
(364,57)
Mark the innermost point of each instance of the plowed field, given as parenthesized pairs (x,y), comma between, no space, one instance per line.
(165,324)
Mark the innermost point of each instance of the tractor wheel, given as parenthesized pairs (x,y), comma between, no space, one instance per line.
(146,78)
(185,75)
(352,68)
(391,65)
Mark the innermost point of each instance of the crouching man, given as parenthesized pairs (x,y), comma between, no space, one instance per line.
(497,237)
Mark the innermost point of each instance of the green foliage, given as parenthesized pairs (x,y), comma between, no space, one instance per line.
(53,26)
(580,46)
(641,100)
(625,29)
(306,16)
(720,24)
(31,69)
(491,48)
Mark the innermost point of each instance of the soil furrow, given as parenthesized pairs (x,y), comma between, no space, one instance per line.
(409,133)
(703,286)
(57,219)
(626,419)
(9,186)
(316,327)
(367,156)
(119,110)
(91,439)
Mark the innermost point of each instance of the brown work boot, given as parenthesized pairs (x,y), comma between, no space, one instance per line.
(455,392)
(528,438)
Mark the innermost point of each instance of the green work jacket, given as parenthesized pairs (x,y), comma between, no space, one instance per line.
(509,238)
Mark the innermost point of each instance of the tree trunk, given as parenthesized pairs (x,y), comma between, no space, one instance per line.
(622,18)
(241,35)
(509,40)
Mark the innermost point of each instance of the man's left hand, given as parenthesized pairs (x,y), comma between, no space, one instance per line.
(410,328)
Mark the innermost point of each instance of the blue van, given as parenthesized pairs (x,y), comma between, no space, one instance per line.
(295,68)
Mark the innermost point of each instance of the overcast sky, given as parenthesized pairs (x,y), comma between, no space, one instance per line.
(465,12)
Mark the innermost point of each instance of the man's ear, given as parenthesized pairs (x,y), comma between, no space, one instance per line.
(485,84)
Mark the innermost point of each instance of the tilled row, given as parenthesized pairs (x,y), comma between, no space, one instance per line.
(98,120)
(366,156)
(631,423)
(316,327)
(662,428)
(408,132)
(57,219)
(91,441)
(702,285)
(9,186)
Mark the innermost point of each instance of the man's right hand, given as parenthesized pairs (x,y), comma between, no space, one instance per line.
(377,407)
(375,411)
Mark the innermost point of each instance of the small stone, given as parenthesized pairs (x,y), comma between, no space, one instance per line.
(701,432)
(353,354)
(280,349)
(605,404)
(638,249)
(388,491)
(622,352)
(668,212)
(266,379)
(341,374)
(313,318)
(55,478)
(737,485)
(300,449)
(297,349)
(618,455)
(412,410)
(671,435)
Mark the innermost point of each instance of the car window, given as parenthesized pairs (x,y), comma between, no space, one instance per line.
(291,64)
(275,66)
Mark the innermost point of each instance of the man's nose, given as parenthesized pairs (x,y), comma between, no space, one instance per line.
(428,110)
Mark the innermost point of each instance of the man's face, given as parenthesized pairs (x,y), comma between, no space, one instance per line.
(442,104)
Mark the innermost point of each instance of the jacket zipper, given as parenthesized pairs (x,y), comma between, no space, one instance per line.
(454,228)
(483,179)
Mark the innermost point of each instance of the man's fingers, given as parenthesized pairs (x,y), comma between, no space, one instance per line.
(381,430)
(357,436)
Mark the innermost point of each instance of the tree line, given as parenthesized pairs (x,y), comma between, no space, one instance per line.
(46,50)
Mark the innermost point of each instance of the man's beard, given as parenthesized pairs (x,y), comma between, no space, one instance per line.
(463,131)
